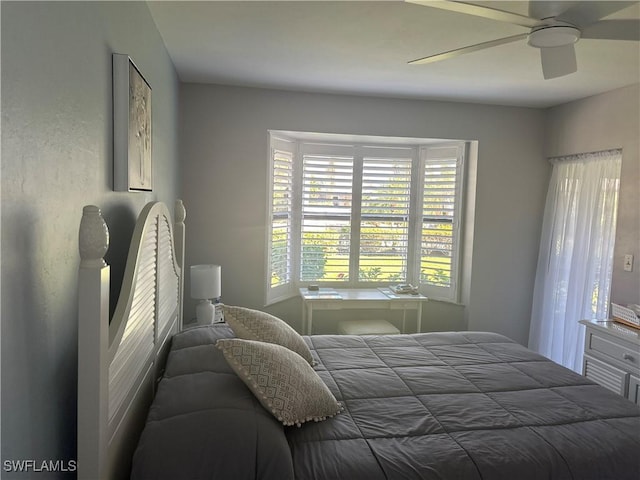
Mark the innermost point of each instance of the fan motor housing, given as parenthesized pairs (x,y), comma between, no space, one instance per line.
(553,36)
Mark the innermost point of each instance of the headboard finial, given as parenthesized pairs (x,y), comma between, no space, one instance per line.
(180,212)
(93,237)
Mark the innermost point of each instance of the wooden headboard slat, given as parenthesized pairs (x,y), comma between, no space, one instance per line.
(141,256)
(169,287)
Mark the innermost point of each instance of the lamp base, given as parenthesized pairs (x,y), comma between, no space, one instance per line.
(205,312)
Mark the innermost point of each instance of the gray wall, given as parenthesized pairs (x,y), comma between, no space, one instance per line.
(606,121)
(57,157)
(224,150)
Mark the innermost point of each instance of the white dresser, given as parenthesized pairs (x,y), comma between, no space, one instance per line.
(612,357)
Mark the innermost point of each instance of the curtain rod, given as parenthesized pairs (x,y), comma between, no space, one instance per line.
(585,156)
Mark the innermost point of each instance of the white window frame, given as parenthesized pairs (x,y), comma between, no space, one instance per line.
(422,151)
(435,154)
(285,289)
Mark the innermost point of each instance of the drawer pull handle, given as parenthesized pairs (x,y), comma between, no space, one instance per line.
(628,356)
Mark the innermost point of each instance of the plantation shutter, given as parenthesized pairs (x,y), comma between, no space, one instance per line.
(280,236)
(384,217)
(441,182)
(327,188)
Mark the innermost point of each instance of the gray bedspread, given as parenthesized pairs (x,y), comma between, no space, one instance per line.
(460,405)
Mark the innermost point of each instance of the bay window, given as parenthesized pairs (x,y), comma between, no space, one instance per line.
(364,213)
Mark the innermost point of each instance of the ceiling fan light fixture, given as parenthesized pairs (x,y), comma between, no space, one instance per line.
(553,36)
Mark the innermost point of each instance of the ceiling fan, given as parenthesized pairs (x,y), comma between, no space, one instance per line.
(554,28)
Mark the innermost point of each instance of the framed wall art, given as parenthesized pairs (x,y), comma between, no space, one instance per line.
(132,161)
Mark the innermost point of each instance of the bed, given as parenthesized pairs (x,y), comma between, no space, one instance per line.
(446,405)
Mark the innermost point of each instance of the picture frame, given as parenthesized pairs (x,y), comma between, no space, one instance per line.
(132,122)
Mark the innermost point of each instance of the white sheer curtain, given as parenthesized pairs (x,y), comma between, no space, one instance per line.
(575,262)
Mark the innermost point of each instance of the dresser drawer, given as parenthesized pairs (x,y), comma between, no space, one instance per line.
(634,390)
(604,374)
(601,344)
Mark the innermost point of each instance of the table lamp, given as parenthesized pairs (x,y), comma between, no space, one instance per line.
(205,285)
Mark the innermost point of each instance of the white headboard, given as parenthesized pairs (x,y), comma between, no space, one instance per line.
(120,360)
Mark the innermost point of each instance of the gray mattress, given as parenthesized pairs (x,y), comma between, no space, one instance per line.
(458,405)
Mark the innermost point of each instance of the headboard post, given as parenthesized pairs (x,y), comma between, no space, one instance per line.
(179,233)
(93,336)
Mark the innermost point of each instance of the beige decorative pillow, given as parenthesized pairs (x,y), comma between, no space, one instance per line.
(283,382)
(256,325)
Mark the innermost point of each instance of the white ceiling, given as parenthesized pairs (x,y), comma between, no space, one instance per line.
(362,48)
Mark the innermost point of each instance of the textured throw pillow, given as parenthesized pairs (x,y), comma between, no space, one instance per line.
(263,327)
(283,382)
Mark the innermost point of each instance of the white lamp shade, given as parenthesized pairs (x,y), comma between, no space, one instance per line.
(205,281)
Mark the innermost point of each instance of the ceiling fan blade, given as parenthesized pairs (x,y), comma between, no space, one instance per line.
(547,9)
(558,61)
(479,11)
(586,13)
(472,48)
(613,30)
